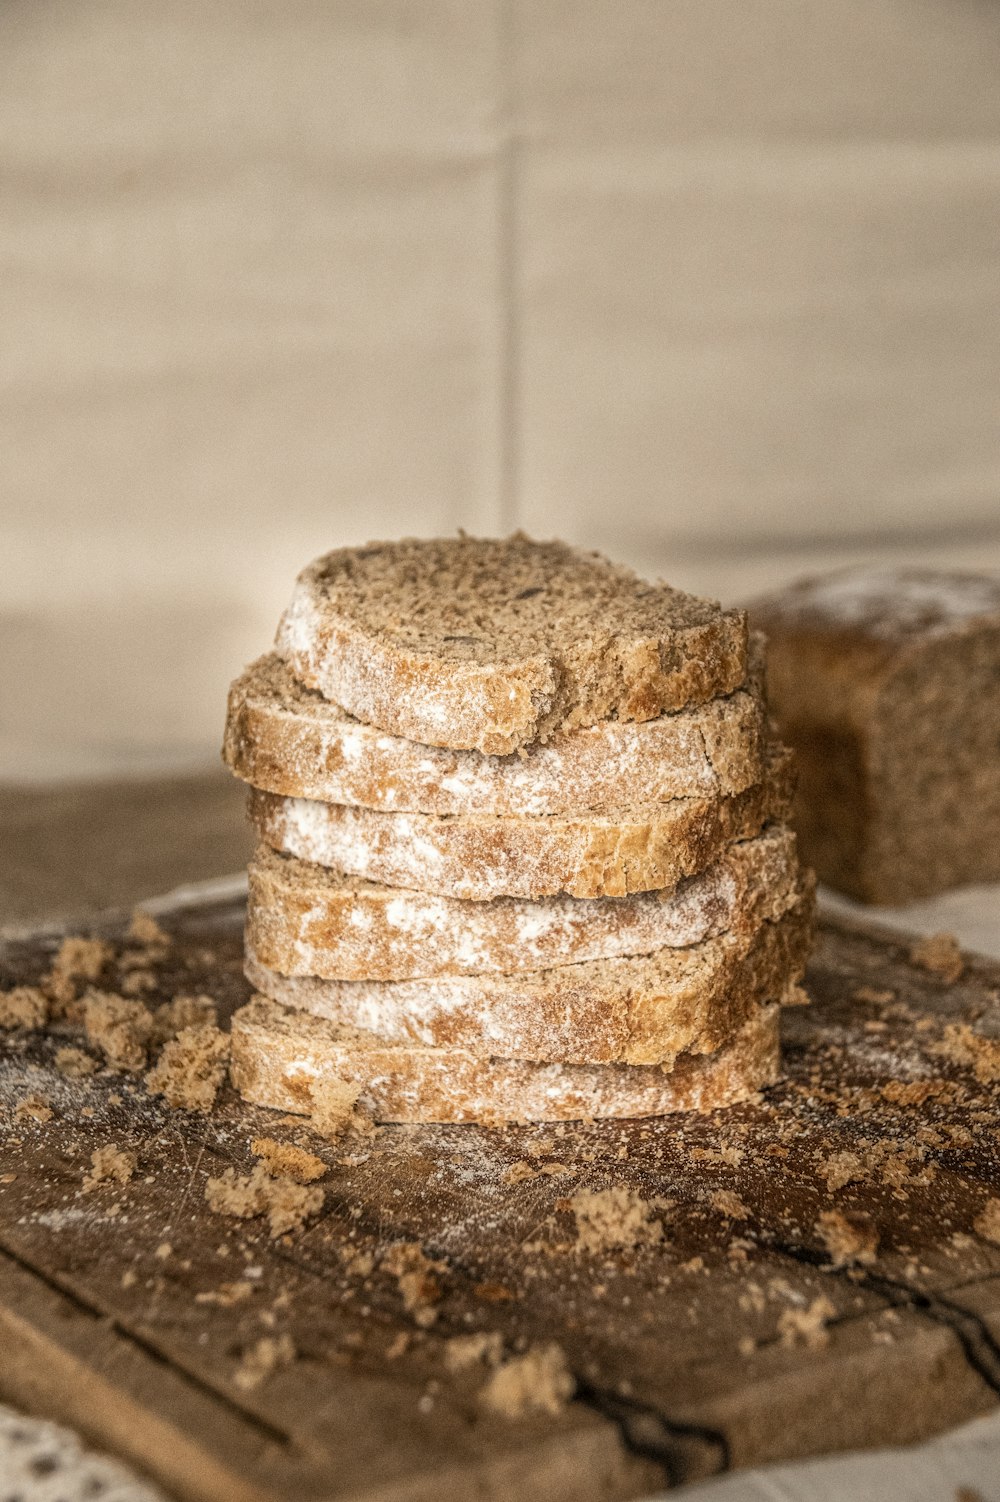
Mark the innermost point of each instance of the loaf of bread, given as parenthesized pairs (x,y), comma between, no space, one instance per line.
(477,857)
(279,1056)
(285,738)
(493,644)
(304,919)
(640,1009)
(887,684)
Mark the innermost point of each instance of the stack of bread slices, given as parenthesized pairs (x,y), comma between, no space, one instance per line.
(523,844)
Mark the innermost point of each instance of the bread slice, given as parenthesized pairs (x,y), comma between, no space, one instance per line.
(607,853)
(279,1055)
(642,1009)
(285,738)
(887,681)
(304,919)
(491,644)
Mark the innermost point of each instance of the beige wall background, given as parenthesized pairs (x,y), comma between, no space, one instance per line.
(712,284)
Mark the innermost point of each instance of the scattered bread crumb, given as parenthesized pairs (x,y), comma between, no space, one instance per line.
(484,1348)
(417,1278)
(163,1251)
(807,1326)
(537,1382)
(987,1222)
(335,1110)
(74,1063)
(913,1092)
(940,955)
(226,1294)
(874,995)
(33,1107)
(521,1171)
(260,1360)
(110,1165)
(842,1168)
(172,1017)
(286,1204)
(119,1027)
(24,1006)
(145,930)
(847,1238)
(137,982)
(356,1262)
(728,1203)
(962,1046)
(76,960)
(614,1219)
(191,1068)
(284,1159)
(398,1346)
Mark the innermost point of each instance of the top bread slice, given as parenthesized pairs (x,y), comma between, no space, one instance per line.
(286,738)
(493,644)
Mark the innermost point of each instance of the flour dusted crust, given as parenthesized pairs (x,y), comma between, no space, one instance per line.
(642,1009)
(887,683)
(279,1057)
(595,854)
(308,920)
(493,644)
(286,738)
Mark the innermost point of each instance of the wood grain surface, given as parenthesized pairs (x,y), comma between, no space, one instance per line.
(733,1341)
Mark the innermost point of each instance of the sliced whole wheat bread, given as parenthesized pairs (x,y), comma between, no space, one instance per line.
(304,919)
(286,738)
(279,1055)
(492,644)
(642,1009)
(596,854)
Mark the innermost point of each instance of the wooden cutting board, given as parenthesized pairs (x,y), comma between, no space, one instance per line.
(734,1341)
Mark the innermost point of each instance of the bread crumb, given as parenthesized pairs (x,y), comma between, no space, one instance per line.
(987,1222)
(172,1017)
(614,1219)
(728,1203)
(416,1277)
(74,1063)
(286,1204)
(847,1238)
(284,1159)
(145,930)
(110,1165)
(33,1107)
(191,1068)
(163,1251)
(76,960)
(7,1178)
(807,1326)
(269,1353)
(119,1027)
(940,955)
(874,995)
(962,1046)
(24,1006)
(334,1109)
(520,1172)
(842,1168)
(226,1294)
(137,982)
(483,1348)
(540,1381)
(398,1346)
(913,1092)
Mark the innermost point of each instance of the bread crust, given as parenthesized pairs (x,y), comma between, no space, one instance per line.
(491,644)
(636,1009)
(307,920)
(287,739)
(278,1054)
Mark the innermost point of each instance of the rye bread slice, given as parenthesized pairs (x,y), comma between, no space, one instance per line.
(304,919)
(278,1055)
(607,853)
(643,1009)
(288,739)
(491,644)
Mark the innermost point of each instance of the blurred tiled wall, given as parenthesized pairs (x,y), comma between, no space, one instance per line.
(708,283)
